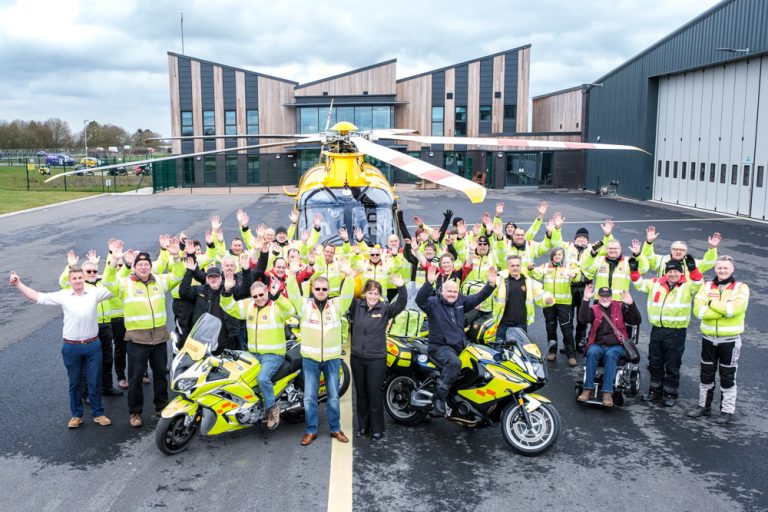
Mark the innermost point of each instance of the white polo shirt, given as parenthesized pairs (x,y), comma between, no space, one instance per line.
(81,321)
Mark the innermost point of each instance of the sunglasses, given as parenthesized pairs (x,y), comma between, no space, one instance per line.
(321,289)
(375,254)
(119,265)
(481,243)
(259,295)
(91,271)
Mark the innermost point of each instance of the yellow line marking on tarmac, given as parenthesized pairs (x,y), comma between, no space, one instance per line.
(340,478)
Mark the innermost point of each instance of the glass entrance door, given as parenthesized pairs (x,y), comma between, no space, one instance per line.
(523,169)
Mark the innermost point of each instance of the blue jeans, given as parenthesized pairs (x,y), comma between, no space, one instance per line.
(330,369)
(81,359)
(501,331)
(611,356)
(270,363)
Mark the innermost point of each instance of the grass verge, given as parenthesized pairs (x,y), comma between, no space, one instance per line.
(15,200)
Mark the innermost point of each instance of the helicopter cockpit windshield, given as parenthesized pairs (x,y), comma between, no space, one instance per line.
(370,209)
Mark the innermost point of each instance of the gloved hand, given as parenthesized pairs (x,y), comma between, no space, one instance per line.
(633,265)
(448,214)
(596,247)
(690,262)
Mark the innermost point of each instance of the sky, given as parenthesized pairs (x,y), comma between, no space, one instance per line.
(107,61)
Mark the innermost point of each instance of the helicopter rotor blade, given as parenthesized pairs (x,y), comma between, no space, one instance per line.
(502,142)
(424,170)
(240,136)
(105,168)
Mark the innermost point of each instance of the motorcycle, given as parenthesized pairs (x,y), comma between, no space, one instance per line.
(219,393)
(495,386)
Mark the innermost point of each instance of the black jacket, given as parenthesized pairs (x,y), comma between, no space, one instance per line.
(446,321)
(369,326)
(206,300)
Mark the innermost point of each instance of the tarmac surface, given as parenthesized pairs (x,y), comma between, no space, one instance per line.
(624,458)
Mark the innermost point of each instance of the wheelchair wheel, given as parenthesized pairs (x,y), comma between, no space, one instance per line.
(618,398)
(634,382)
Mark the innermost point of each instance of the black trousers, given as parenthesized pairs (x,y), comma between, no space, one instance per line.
(118,335)
(182,314)
(105,337)
(577,295)
(450,366)
(368,375)
(665,356)
(560,314)
(138,357)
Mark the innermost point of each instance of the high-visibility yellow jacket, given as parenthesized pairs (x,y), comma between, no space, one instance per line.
(557,279)
(534,294)
(658,263)
(669,306)
(721,309)
(143,303)
(265,325)
(329,271)
(598,269)
(321,336)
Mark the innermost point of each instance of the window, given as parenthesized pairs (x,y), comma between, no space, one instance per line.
(345,114)
(674,170)
(437,120)
(252,122)
(746,175)
(308,120)
(186,124)
(230,122)
(189,171)
(454,162)
(209,122)
(693,171)
(666,169)
(711,173)
(381,118)
(658,169)
(682,171)
(510,112)
(363,118)
(759,177)
(231,165)
(702,171)
(209,175)
(723,171)
(485,112)
(460,125)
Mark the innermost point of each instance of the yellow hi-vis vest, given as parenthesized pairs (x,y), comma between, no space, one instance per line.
(599,270)
(378,273)
(668,308)
(321,336)
(534,294)
(265,326)
(556,279)
(721,311)
(330,272)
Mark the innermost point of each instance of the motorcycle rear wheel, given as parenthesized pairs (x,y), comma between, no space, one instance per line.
(171,436)
(345,379)
(397,401)
(545,423)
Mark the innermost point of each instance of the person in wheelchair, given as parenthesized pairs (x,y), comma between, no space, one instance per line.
(608,319)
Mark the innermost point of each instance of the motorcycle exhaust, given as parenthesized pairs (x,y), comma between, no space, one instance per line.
(421,399)
(465,422)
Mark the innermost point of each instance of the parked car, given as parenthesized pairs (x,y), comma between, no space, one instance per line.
(45,171)
(90,161)
(84,171)
(59,159)
(118,171)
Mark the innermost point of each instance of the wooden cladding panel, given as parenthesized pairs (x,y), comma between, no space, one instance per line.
(273,117)
(240,108)
(523,88)
(449,122)
(473,99)
(197,105)
(173,79)
(417,114)
(218,103)
(377,81)
(497,109)
(558,112)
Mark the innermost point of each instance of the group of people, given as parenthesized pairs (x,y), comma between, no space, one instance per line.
(486,271)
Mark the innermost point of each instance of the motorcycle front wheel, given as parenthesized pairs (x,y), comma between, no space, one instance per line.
(172,436)
(345,378)
(397,401)
(545,427)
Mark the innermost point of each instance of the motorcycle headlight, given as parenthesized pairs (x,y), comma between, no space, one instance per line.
(539,370)
(422,358)
(184,384)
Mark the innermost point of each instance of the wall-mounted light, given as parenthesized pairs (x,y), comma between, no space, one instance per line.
(277,157)
(199,158)
(431,154)
(291,155)
(598,138)
(500,154)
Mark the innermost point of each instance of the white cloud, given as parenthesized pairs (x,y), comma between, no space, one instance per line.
(107,60)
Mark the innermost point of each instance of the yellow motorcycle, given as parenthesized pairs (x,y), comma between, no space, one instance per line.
(219,393)
(495,386)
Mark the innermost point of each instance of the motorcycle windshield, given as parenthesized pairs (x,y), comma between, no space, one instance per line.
(206,331)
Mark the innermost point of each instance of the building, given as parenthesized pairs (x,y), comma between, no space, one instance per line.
(697,101)
(487,96)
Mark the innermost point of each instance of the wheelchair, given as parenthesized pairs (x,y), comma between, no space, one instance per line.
(627,381)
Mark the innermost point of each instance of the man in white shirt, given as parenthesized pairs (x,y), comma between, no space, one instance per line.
(82,348)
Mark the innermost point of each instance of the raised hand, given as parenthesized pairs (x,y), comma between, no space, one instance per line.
(461,230)
(174,248)
(499,209)
(492,276)
(129,257)
(265,246)
(93,257)
(358,234)
(304,236)
(164,241)
(116,246)
(215,223)
(531,266)
(344,234)
(432,274)
(317,220)
(111,243)
(244,219)
(190,248)
(396,279)
(14,279)
(293,216)
(476,229)
(626,298)
(220,236)
(607,227)
(635,247)
(72,258)
(714,240)
(498,230)
(558,219)
(260,230)
(189,263)
(486,218)
(229,280)
(245,260)
(651,234)
(542,209)
(208,237)
(589,291)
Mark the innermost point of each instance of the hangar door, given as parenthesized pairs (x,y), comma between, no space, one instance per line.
(712,138)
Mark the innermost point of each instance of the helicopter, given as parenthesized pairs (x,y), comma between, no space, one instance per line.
(351,193)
